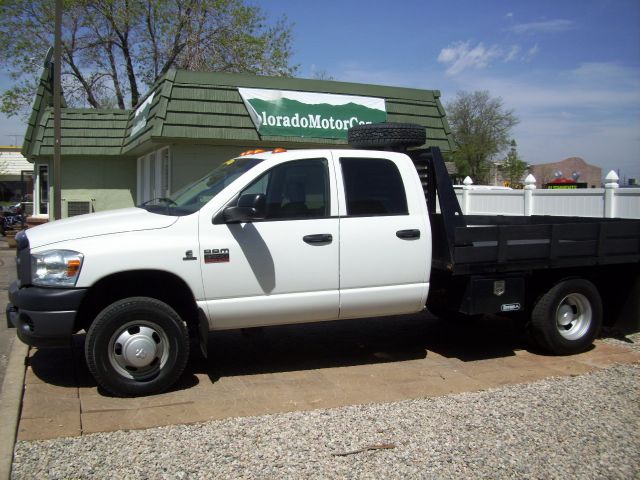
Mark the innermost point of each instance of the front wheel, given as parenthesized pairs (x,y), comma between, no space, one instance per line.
(137,346)
(567,318)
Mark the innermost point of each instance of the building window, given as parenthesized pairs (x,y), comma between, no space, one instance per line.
(41,202)
(154,175)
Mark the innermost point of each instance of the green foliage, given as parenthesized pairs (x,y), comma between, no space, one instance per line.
(112,47)
(481,130)
(513,167)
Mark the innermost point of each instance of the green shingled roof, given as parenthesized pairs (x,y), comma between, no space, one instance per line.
(198,107)
(85,132)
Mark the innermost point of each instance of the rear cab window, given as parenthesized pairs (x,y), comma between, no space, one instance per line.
(373,187)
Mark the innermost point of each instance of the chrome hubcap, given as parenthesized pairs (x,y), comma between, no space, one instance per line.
(138,350)
(574,316)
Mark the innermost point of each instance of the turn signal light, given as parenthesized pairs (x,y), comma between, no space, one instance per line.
(73,267)
(279,150)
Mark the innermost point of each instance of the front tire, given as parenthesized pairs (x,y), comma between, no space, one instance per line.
(137,346)
(567,318)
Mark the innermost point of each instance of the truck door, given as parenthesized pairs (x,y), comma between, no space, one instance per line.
(384,236)
(283,268)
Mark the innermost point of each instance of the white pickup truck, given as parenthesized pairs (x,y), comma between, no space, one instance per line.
(285,237)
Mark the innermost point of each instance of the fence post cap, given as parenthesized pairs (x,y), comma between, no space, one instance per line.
(530,182)
(467,181)
(611,180)
(612,176)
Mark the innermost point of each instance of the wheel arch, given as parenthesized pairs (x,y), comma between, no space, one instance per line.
(543,281)
(159,284)
(615,284)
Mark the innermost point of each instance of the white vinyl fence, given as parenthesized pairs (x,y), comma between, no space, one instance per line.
(608,202)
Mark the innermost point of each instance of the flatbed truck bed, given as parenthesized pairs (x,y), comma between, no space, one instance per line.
(508,264)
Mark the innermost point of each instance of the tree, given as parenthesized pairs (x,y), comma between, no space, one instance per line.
(513,167)
(544,173)
(322,75)
(111,49)
(481,130)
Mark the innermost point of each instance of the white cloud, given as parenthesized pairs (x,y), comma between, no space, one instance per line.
(354,71)
(460,56)
(532,52)
(555,94)
(599,86)
(513,53)
(548,26)
(509,15)
(605,72)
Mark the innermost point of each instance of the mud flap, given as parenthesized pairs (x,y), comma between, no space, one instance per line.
(203,332)
(627,320)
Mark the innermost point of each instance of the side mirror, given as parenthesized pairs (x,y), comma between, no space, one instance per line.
(250,207)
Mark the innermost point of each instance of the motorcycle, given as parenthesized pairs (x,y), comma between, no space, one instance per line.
(12,218)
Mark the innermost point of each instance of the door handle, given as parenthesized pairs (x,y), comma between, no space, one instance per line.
(408,234)
(319,238)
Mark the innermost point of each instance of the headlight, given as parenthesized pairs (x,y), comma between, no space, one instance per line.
(56,268)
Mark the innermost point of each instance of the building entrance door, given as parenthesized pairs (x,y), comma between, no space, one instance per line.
(154,175)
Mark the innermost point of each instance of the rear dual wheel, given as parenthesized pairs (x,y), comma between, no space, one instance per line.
(137,346)
(567,318)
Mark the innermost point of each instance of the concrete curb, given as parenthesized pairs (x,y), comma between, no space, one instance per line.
(10,402)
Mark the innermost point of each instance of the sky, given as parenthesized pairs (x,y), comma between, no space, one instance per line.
(570,69)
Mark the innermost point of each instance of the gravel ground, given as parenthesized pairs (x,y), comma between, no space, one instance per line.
(631,341)
(585,426)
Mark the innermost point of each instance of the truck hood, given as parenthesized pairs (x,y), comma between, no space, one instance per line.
(94,224)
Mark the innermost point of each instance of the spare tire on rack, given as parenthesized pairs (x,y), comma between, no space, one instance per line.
(387,135)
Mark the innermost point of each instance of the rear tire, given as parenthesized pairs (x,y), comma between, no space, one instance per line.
(567,318)
(387,134)
(137,346)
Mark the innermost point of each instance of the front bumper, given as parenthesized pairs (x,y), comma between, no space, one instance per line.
(43,317)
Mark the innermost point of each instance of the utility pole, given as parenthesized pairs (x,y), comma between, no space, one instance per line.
(57,121)
(15,138)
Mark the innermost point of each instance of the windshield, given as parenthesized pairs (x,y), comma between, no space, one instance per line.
(192,198)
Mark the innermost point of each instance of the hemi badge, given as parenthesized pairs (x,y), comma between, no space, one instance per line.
(189,255)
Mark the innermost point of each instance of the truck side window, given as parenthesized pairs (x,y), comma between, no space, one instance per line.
(373,186)
(295,190)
